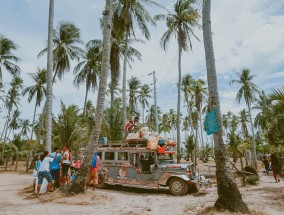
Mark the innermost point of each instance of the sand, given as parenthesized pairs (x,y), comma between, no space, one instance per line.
(16,198)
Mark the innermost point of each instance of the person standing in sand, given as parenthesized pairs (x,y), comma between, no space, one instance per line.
(275,166)
(35,171)
(93,174)
(44,171)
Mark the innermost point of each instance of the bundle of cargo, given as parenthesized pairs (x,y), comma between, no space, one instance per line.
(153,141)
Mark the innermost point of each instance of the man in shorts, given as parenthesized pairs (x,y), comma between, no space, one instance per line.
(93,174)
(55,167)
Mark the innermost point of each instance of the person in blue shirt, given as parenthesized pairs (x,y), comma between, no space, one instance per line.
(55,167)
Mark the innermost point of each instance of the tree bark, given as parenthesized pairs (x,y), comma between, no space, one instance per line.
(86,97)
(229,196)
(33,121)
(4,142)
(48,139)
(178,102)
(78,185)
(254,159)
(124,114)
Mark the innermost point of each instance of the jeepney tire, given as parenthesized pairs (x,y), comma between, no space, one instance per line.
(192,188)
(178,187)
(101,182)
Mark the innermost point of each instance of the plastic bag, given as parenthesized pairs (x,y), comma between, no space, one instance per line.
(152,143)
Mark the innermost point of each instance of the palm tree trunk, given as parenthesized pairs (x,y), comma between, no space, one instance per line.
(254,160)
(178,103)
(201,129)
(6,123)
(4,142)
(48,139)
(124,78)
(78,185)
(33,124)
(86,97)
(229,196)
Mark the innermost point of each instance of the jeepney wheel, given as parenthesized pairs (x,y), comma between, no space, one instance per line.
(101,182)
(178,186)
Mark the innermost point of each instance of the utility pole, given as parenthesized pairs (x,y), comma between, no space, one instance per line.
(155,101)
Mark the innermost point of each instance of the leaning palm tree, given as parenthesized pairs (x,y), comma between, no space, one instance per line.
(126,13)
(78,185)
(7,59)
(143,96)
(38,90)
(247,91)
(87,70)
(180,24)
(229,196)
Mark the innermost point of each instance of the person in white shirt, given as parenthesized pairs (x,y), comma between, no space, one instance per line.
(44,171)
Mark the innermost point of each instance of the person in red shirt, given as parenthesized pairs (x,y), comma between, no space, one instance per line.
(129,127)
(93,174)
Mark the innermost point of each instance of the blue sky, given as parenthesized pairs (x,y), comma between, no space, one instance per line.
(246,34)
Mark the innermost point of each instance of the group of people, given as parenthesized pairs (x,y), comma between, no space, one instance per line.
(272,163)
(52,167)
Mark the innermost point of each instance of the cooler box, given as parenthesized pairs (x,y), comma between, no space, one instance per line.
(103,140)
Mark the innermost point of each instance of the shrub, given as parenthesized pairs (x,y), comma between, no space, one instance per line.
(251,170)
(252,179)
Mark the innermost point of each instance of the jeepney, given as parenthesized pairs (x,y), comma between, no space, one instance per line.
(136,166)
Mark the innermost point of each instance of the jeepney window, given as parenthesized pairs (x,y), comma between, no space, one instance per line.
(123,156)
(109,155)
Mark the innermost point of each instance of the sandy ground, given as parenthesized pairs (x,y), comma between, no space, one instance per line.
(16,198)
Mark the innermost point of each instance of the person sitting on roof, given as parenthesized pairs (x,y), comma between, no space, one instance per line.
(131,125)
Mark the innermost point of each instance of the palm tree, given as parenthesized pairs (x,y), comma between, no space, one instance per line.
(67,127)
(11,100)
(65,41)
(247,91)
(143,96)
(49,82)
(134,85)
(116,53)
(14,122)
(7,58)
(150,118)
(126,13)
(229,196)
(25,127)
(38,90)
(243,120)
(198,92)
(78,185)
(180,24)
(263,105)
(88,69)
